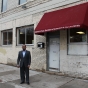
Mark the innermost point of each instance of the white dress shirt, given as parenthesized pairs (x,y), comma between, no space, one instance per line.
(24,53)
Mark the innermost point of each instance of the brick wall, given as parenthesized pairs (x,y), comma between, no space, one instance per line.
(71,65)
(16,17)
(13,6)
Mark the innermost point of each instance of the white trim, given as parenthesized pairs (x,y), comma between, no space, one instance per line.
(36,9)
(59,28)
(25,44)
(22,3)
(7,45)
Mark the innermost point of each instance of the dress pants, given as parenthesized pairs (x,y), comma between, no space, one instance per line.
(24,71)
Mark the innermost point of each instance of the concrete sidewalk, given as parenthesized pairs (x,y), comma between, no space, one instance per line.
(10,78)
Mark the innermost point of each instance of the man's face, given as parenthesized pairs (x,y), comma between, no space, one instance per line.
(24,47)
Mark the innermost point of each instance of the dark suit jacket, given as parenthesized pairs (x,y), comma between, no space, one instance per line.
(26,59)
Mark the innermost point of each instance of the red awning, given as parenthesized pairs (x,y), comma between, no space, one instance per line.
(72,17)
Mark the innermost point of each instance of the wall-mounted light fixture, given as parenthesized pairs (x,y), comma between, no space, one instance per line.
(80,32)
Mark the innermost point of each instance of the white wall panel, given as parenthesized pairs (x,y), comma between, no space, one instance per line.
(79,49)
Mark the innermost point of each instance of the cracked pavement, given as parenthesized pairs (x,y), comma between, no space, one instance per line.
(10,78)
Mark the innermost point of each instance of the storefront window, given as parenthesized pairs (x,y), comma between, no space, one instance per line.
(77,41)
(26,35)
(22,36)
(77,35)
(7,37)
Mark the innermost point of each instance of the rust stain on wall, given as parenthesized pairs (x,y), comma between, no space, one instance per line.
(3,51)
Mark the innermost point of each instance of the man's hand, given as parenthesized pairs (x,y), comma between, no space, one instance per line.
(18,66)
(28,66)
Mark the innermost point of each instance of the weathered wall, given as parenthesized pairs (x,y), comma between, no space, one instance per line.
(12,4)
(8,54)
(16,17)
(72,65)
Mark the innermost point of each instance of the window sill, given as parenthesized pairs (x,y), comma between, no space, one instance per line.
(6,45)
(22,4)
(3,12)
(77,55)
(79,43)
(25,3)
(26,44)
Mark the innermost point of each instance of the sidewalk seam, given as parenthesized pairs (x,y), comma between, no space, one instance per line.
(66,83)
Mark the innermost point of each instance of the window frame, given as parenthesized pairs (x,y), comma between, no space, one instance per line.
(21,3)
(7,37)
(76,43)
(17,35)
(3,6)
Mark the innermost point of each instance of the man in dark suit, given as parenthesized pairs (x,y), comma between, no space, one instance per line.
(24,62)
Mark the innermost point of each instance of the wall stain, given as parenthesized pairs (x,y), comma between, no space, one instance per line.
(3,51)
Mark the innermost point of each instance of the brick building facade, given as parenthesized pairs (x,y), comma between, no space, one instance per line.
(18,16)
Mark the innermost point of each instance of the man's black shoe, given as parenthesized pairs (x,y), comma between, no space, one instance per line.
(21,82)
(28,83)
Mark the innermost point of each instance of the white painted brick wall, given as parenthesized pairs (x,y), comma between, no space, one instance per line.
(12,4)
(11,52)
(72,65)
(38,59)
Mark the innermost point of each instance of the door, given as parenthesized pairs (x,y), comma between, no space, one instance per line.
(54,53)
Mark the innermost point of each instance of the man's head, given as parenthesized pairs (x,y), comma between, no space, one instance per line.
(24,47)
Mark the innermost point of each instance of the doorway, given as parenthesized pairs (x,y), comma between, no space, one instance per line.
(54,54)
